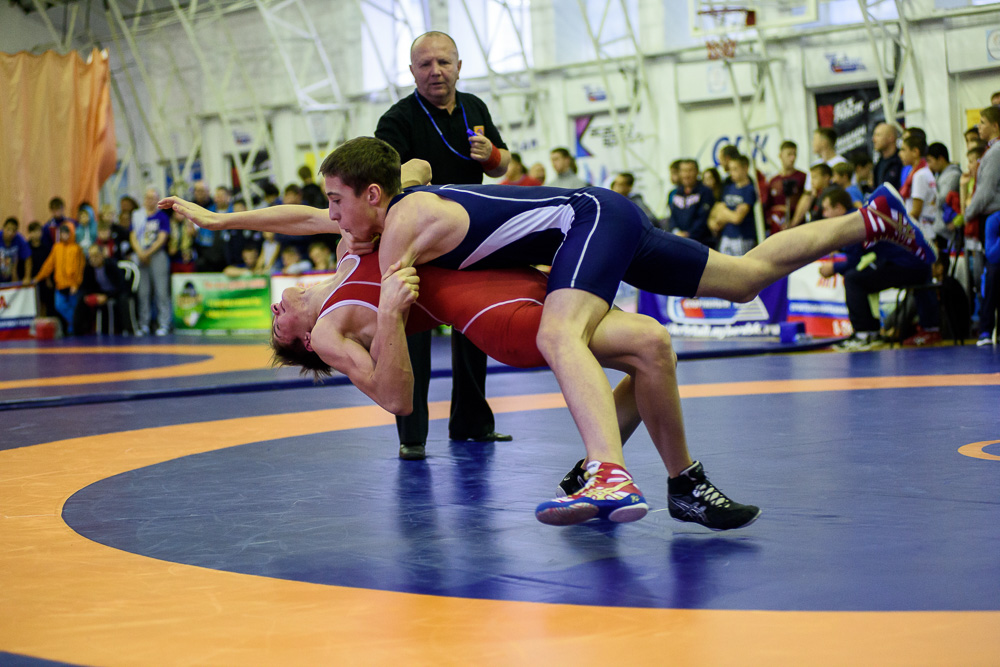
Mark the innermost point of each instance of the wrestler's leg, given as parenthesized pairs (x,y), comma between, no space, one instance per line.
(569,318)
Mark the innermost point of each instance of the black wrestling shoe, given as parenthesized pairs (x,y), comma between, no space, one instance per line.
(693,498)
(492,436)
(413,451)
(573,481)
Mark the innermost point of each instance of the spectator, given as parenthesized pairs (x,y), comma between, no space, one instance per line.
(920,189)
(842,175)
(995,99)
(970,226)
(103,286)
(564,165)
(248,262)
(122,233)
(271,195)
(270,249)
(15,254)
(39,253)
(890,266)
(516,174)
(65,264)
(623,184)
(292,263)
(537,172)
(888,166)
(294,195)
(690,203)
(312,194)
(150,231)
(985,204)
(785,189)
(50,230)
(864,173)
(732,219)
(675,173)
(180,245)
(823,145)
(921,136)
(711,179)
(820,179)
(105,239)
(127,206)
(727,154)
(321,257)
(86,225)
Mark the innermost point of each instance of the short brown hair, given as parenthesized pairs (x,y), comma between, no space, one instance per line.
(828,133)
(991,114)
(788,144)
(296,354)
(822,168)
(839,197)
(843,169)
(363,161)
(916,142)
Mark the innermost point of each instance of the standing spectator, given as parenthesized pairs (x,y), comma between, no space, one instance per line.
(180,245)
(39,253)
(888,166)
(820,179)
(712,180)
(564,165)
(785,189)
(50,230)
(921,136)
(985,204)
(824,145)
(733,219)
(920,189)
(200,195)
(623,184)
(150,231)
(455,133)
(86,225)
(65,264)
(537,172)
(516,175)
(946,174)
(15,254)
(690,203)
(295,195)
(127,206)
(312,194)
(103,282)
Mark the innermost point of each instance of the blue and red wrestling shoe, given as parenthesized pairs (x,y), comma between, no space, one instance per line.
(608,493)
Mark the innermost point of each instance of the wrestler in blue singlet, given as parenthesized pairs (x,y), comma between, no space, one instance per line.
(593,238)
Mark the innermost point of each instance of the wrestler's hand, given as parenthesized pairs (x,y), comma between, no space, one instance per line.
(400,288)
(196,214)
(480,148)
(354,246)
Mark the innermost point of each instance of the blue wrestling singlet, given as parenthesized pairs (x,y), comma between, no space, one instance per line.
(592,237)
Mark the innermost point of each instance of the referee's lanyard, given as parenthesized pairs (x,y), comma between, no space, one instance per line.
(441,134)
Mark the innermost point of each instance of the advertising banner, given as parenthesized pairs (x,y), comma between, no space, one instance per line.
(17,311)
(215,302)
(718,318)
(818,301)
(281,283)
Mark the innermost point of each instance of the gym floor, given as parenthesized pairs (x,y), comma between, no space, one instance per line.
(175,501)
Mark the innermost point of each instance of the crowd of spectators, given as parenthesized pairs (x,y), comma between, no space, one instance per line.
(82,262)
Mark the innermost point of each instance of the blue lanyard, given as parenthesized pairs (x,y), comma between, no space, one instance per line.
(441,134)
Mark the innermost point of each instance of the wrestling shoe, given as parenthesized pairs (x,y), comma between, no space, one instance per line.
(412,451)
(886,219)
(609,493)
(691,497)
(573,481)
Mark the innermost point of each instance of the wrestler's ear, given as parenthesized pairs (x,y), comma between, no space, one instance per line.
(374,194)
(307,341)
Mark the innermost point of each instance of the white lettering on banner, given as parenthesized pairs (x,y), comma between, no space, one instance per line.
(847,109)
(726,331)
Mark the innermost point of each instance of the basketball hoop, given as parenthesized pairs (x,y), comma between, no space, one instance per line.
(718,23)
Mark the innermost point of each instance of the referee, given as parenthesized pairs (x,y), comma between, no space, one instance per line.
(454,132)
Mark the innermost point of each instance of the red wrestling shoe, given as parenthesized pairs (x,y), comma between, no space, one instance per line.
(609,493)
(886,219)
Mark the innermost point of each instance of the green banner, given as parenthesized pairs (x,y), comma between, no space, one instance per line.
(215,302)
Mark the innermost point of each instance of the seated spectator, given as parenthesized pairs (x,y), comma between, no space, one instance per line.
(564,165)
(321,257)
(293,195)
(516,173)
(270,249)
(623,184)
(732,219)
(820,178)
(86,225)
(15,254)
(65,264)
(200,194)
(103,286)
(864,173)
(271,195)
(784,190)
(869,272)
(248,262)
(690,203)
(842,175)
(292,263)
(223,200)
(537,172)
(312,194)
(39,253)
(127,206)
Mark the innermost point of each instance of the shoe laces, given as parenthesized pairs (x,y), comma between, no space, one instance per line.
(710,495)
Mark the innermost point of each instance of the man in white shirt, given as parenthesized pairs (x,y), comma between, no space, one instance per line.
(919,191)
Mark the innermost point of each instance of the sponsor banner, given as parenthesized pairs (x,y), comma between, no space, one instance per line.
(973,49)
(718,318)
(17,312)
(838,65)
(853,114)
(216,302)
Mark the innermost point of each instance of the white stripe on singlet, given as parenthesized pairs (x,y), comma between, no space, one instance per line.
(496,305)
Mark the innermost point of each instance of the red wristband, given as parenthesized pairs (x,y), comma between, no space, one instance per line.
(494,161)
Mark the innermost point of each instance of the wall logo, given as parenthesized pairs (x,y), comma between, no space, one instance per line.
(993,45)
(843,64)
(595,94)
(715,311)
(759,143)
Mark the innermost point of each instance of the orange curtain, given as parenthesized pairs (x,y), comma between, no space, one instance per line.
(57,133)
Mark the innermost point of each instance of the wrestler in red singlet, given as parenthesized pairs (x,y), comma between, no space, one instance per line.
(498,309)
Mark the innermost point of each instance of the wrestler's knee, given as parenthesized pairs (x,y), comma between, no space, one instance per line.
(656,346)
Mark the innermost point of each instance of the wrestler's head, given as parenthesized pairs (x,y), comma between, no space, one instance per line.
(362,176)
(291,333)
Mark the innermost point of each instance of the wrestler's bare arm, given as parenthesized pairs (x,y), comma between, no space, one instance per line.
(383,373)
(285,219)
